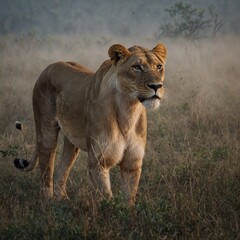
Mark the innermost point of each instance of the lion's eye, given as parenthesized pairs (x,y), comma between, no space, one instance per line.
(137,68)
(159,67)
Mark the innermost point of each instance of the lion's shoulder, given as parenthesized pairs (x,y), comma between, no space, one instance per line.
(103,69)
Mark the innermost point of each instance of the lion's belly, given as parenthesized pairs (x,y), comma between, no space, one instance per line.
(75,133)
(71,118)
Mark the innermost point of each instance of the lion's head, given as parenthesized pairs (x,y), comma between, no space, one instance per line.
(140,72)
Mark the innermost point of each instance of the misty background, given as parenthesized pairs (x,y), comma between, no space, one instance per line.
(116,18)
(34,34)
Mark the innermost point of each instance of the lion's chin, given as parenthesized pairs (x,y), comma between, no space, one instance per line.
(151,103)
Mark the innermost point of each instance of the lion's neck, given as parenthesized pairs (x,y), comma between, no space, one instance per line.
(127,112)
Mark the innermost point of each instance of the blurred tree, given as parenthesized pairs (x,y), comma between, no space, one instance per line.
(189,22)
(216,22)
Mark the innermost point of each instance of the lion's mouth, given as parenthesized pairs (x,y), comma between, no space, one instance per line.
(142,99)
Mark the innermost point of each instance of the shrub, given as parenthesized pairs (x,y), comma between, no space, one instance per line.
(190,22)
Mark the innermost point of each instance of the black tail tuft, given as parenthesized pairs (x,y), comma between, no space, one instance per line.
(20,163)
(18,125)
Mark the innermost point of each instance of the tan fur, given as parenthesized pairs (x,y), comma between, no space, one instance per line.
(102,113)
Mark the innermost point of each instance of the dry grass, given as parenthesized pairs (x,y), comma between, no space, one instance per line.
(190,185)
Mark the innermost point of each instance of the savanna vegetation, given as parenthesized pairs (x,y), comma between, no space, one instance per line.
(190,184)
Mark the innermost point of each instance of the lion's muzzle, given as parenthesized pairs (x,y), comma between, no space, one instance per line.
(142,99)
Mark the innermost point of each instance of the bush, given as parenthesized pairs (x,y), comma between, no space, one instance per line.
(189,22)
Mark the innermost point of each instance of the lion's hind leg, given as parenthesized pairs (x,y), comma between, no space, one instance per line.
(47,153)
(47,130)
(69,156)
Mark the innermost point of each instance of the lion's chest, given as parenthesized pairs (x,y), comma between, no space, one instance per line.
(112,142)
(114,149)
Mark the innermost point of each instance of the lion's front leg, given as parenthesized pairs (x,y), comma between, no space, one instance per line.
(131,168)
(99,176)
(100,182)
(129,181)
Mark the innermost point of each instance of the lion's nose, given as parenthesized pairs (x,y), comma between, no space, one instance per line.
(155,87)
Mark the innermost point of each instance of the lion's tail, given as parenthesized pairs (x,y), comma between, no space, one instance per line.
(23,164)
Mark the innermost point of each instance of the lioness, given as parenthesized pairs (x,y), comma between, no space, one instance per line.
(102,113)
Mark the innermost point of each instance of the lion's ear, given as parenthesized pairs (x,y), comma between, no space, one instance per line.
(117,52)
(161,51)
